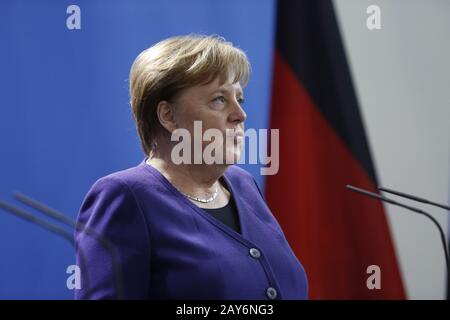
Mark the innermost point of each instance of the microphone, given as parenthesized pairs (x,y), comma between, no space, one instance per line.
(66,235)
(414,209)
(415,198)
(47,226)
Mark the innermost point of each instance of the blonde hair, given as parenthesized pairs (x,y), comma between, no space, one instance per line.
(163,70)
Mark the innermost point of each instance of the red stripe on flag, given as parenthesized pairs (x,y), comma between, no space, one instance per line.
(335,233)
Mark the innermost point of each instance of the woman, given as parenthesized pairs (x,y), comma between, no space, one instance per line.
(193,229)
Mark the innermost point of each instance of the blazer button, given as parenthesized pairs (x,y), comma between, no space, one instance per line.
(271,293)
(255,253)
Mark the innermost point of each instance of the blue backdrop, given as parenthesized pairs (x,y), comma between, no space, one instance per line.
(64,114)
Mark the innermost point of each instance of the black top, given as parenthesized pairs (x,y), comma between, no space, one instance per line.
(227,215)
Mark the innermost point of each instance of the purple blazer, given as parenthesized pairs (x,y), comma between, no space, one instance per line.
(168,248)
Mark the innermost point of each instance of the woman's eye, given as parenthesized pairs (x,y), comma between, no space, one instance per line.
(219,99)
(222,99)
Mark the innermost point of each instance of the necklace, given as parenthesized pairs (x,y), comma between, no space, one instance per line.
(207,200)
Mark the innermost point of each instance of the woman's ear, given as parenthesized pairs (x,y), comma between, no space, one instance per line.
(166,118)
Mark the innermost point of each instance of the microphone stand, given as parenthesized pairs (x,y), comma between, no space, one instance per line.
(414,209)
(66,235)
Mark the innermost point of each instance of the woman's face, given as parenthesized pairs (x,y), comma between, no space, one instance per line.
(216,106)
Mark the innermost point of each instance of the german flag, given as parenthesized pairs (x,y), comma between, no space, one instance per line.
(336,234)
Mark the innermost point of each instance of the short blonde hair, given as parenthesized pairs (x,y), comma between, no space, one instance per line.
(163,70)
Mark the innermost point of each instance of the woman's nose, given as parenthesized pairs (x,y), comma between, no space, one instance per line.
(238,114)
